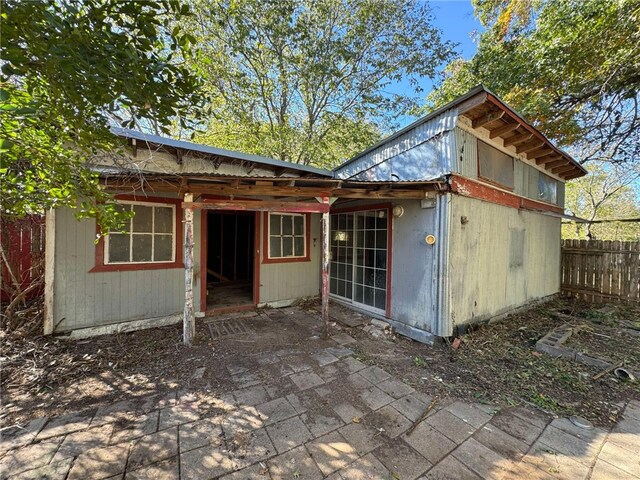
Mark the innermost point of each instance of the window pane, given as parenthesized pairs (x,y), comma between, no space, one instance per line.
(369,276)
(368,296)
(121,209)
(369,239)
(358,294)
(118,248)
(381,239)
(142,219)
(275,250)
(298,225)
(287,246)
(141,248)
(298,246)
(163,220)
(381,299)
(547,188)
(287,224)
(381,259)
(163,248)
(274,224)
(381,279)
(495,165)
(381,221)
(333,286)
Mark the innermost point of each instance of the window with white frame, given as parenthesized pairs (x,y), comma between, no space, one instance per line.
(287,235)
(148,238)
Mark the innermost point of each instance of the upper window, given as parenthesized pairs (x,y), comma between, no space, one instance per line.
(495,166)
(149,235)
(286,237)
(547,188)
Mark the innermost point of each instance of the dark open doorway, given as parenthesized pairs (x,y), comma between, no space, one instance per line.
(230,258)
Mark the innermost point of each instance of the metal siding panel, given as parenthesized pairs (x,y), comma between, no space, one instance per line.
(412,299)
(467,153)
(482,282)
(373,161)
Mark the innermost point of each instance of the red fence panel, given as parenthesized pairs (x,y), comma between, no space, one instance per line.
(23,254)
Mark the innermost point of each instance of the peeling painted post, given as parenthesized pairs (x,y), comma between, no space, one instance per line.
(325,270)
(189,327)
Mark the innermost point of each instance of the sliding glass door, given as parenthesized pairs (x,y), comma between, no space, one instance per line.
(359,251)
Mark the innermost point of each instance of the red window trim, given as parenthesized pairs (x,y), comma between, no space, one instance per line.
(389,208)
(265,240)
(100,266)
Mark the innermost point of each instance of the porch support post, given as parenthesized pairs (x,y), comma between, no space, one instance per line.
(326,228)
(189,327)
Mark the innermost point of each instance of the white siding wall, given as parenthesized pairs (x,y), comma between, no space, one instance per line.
(488,273)
(84,299)
(288,281)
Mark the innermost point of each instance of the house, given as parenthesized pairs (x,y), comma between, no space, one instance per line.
(452,220)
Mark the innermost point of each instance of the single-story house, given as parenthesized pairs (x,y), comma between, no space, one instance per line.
(452,220)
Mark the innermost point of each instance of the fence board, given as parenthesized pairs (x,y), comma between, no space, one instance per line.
(601,270)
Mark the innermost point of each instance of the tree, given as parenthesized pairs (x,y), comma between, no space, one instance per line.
(304,81)
(573,66)
(605,194)
(70,69)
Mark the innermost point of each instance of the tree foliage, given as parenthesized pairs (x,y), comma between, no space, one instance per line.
(605,194)
(573,66)
(305,81)
(70,69)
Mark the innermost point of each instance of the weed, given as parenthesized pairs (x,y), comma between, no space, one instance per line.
(420,362)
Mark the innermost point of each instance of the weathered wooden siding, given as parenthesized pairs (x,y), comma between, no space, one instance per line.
(83,299)
(601,270)
(288,281)
(499,259)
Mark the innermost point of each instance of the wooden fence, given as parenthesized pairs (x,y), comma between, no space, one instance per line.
(22,256)
(601,270)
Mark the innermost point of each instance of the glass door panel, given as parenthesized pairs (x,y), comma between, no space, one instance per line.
(358,270)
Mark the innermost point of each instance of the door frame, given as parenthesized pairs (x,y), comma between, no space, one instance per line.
(377,206)
(203,263)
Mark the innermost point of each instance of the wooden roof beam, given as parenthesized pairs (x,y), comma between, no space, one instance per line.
(555,164)
(539,152)
(529,146)
(548,158)
(488,118)
(562,169)
(506,128)
(570,176)
(518,138)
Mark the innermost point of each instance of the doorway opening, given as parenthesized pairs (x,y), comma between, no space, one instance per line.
(230,259)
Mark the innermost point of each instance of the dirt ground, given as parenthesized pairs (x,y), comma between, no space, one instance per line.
(494,363)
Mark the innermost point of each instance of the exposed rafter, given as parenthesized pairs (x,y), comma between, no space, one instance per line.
(529,146)
(488,118)
(548,158)
(516,139)
(501,130)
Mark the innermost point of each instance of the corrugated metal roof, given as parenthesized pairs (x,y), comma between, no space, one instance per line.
(196,147)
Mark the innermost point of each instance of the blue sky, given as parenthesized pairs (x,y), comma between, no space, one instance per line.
(456,21)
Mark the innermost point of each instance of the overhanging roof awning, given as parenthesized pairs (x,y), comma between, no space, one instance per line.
(182,146)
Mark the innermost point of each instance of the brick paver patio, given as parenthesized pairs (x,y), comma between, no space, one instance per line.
(300,415)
